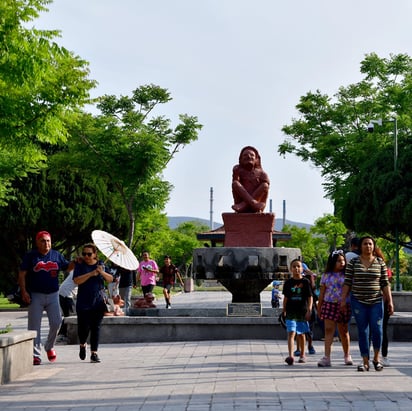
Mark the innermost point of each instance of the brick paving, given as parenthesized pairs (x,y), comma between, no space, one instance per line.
(242,375)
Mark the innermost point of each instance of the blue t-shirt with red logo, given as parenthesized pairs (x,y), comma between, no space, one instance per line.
(43,271)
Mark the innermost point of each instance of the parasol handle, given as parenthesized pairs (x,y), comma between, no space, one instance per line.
(108,258)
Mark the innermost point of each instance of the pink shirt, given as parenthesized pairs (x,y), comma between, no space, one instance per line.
(147,277)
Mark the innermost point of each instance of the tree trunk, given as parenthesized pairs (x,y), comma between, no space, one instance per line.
(131,226)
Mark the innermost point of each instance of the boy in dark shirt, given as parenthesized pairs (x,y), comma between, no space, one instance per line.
(169,273)
(297,309)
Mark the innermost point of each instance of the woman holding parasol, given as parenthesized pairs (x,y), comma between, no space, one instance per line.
(90,275)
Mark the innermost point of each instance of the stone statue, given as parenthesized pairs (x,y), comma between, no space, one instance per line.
(250,184)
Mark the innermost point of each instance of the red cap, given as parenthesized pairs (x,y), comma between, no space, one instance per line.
(41,234)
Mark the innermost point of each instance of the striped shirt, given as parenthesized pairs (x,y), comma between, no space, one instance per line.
(366,283)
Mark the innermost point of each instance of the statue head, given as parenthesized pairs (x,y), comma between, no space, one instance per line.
(249,158)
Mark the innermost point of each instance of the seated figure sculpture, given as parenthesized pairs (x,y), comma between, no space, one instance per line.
(145,302)
(250,184)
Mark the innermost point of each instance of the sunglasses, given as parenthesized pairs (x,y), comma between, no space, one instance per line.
(88,254)
(337,252)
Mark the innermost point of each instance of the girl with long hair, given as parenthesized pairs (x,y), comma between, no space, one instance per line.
(330,309)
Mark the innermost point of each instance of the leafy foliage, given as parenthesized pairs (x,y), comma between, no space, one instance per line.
(332,229)
(154,235)
(313,248)
(358,167)
(184,241)
(69,205)
(39,83)
(67,171)
(326,235)
(129,149)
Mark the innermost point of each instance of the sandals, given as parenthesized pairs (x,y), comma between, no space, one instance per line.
(289,360)
(363,367)
(377,365)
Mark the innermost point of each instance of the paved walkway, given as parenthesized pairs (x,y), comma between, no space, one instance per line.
(241,375)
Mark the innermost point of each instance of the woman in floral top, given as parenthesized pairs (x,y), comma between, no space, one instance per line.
(329,307)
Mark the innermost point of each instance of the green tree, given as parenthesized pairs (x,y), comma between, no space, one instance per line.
(312,247)
(184,240)
(154,235)
(69,205)
(358,167)
(39,83)
(327,234)
(331,229)
(129,148)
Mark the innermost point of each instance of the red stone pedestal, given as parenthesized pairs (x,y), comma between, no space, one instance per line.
(248,230)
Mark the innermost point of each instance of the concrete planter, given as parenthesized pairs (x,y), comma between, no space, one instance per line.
(155,328)
(16,354)
(402,301)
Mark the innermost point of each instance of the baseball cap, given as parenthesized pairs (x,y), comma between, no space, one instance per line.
(41,234)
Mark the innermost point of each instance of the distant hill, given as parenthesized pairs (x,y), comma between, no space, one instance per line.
(175,221)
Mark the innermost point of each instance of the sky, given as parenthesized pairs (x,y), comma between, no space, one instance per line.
(241,67)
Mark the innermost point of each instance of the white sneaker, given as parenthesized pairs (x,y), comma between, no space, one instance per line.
(324,362)
(385,362)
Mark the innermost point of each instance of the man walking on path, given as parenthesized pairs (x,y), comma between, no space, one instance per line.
(39,285)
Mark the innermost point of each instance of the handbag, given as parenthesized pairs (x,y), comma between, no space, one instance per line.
(108,302)
(109,305)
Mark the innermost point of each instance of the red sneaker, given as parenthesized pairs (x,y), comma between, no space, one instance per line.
(36,360)
(51,355)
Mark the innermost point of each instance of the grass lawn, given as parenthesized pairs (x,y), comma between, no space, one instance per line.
(6,305)
(157,291)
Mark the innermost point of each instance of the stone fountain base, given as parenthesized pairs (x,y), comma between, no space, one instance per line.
(161,328)
(202,316)
(244,271)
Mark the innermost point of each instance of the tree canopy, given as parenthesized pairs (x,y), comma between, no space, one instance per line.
(358,167)
(128,148)
(39,83)
(67,204)
(326,235)
(66,170)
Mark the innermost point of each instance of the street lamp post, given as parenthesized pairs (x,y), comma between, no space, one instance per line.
(398,286)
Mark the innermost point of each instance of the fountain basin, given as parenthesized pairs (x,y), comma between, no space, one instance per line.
(244,271)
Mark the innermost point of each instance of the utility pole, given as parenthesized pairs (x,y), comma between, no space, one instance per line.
(211,209)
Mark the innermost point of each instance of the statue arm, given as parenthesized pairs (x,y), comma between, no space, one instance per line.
(235,173)
(264,178)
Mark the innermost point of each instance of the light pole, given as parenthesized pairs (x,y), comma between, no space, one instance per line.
(398,286)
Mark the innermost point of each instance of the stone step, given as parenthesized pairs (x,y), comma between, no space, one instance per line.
(191,328)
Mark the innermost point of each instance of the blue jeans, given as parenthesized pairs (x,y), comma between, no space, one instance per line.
(368,320)
(126,294)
